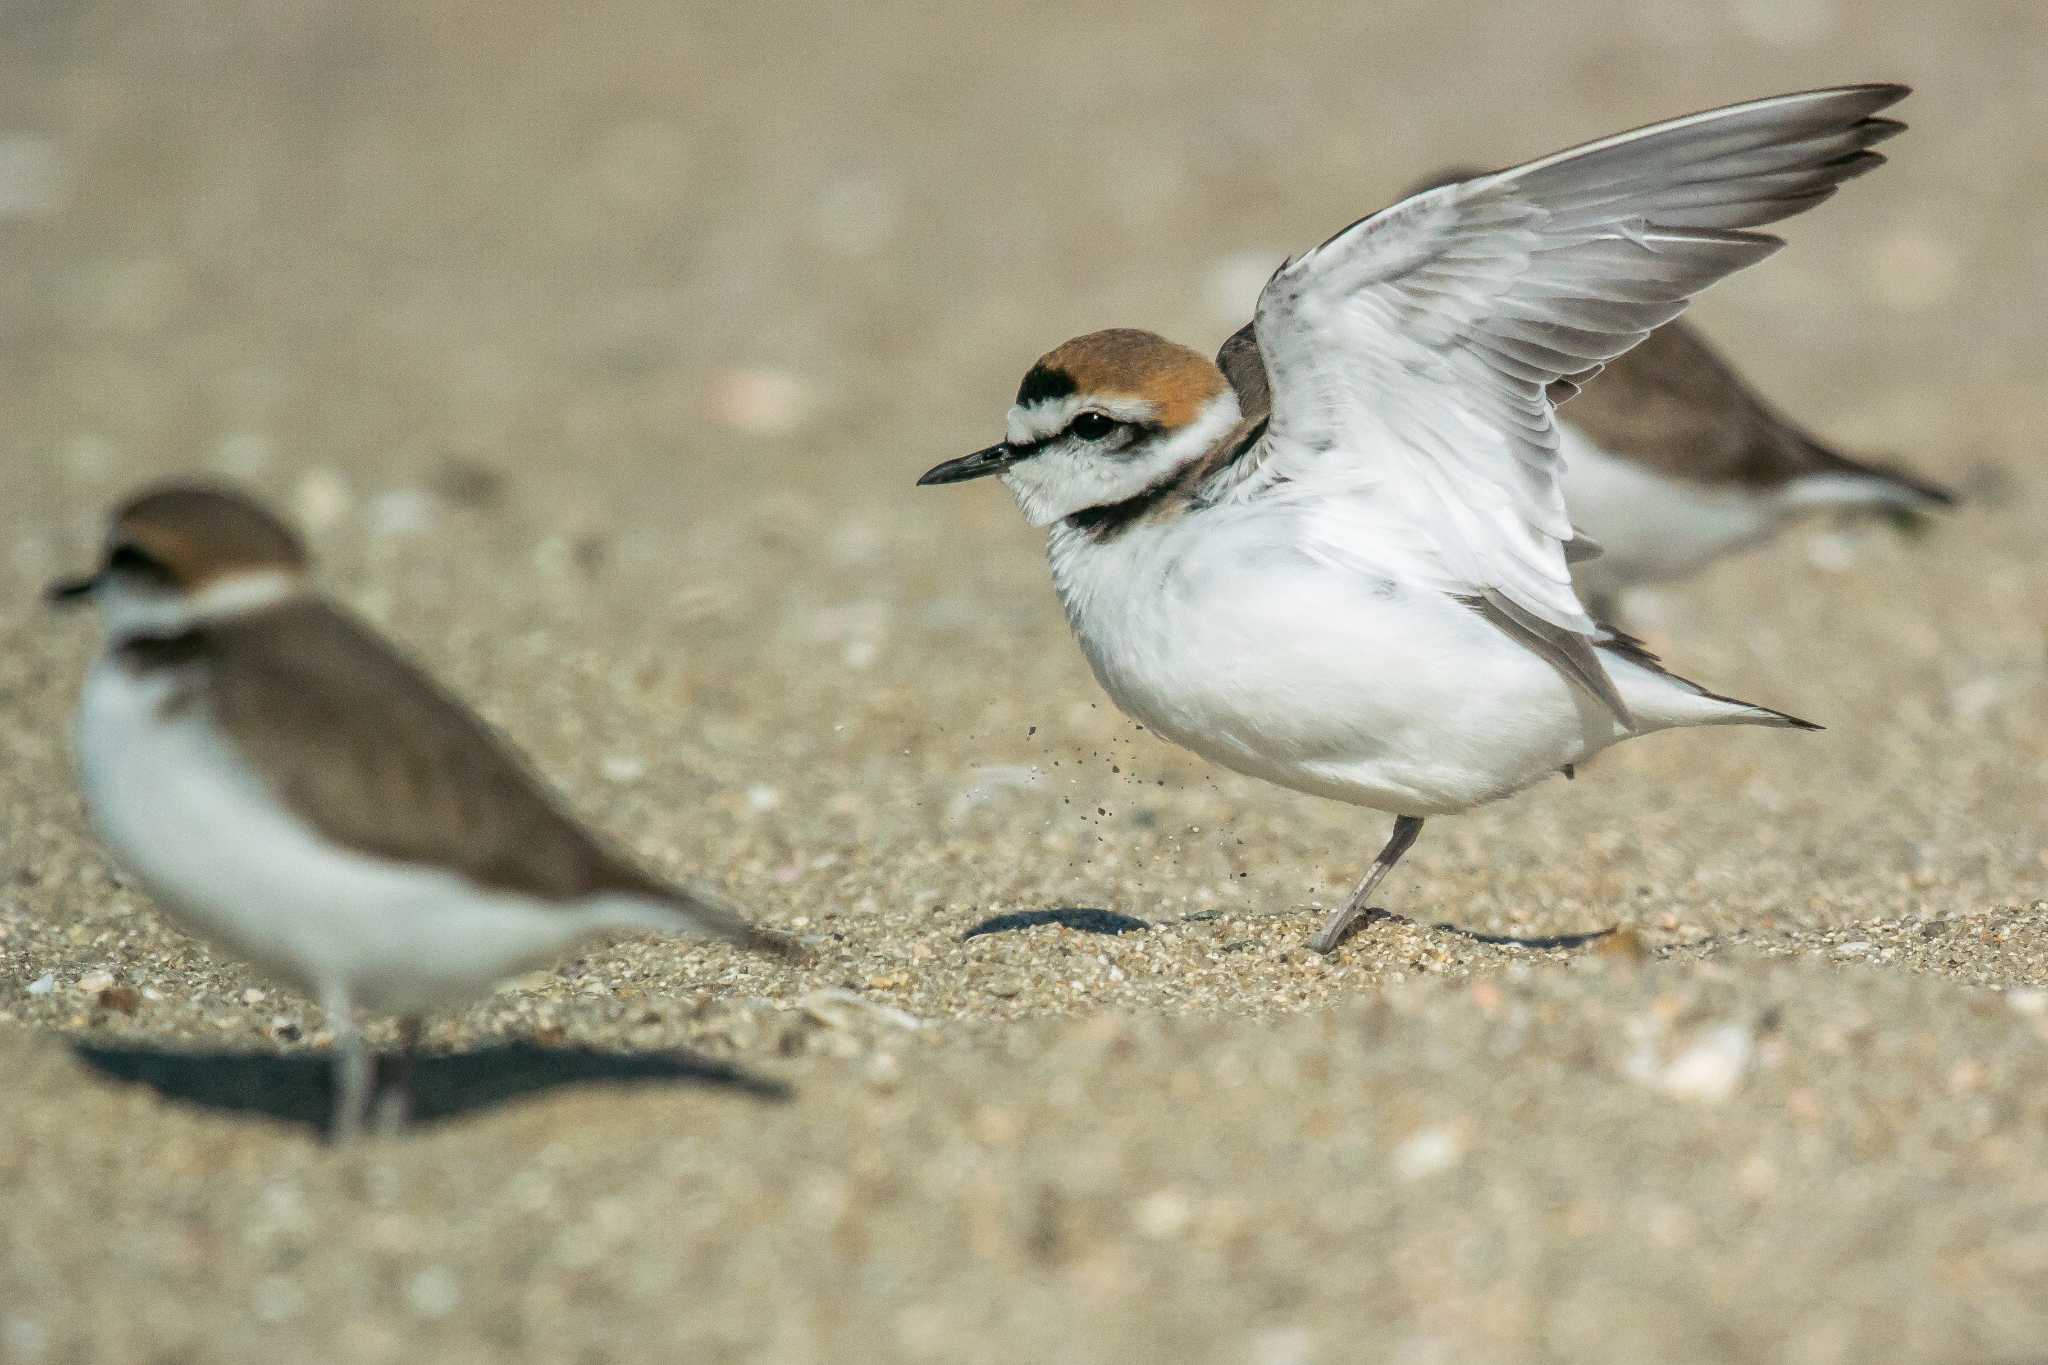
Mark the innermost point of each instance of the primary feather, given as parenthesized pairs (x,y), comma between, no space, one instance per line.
(1410,357)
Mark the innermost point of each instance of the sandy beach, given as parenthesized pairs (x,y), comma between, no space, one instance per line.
(597,353)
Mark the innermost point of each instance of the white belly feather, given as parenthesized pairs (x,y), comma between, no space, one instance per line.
(1222,634)
(180,810)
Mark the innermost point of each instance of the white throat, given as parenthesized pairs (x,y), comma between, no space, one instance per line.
(130,611)
(1074,476)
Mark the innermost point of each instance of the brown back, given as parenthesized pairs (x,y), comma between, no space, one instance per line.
(1674,405)
(368,750)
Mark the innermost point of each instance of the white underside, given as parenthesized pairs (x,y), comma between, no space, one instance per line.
(192,822)
(1651,527)
(1227,631)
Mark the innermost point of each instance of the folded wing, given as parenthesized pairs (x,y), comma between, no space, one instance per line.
(373,754)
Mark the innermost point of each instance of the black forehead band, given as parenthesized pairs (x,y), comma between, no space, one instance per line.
(1044,383)
(128,557)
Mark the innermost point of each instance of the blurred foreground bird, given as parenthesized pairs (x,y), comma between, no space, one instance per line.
(287,786)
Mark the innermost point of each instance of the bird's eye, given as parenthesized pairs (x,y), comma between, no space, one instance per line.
(130,559)
(1091,426)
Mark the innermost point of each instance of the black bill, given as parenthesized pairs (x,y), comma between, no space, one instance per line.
(980,464)
(66,592)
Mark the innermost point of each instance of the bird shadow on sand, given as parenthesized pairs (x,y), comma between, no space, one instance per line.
(296,1087)
(1085,919)
(1375,916)
(1539,942)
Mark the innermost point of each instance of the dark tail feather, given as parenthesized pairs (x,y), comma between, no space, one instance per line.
(1922,495)
(1636,652)
(716,915)
(1938,494)
(1776,717)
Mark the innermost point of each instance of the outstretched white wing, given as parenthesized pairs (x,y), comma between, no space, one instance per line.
(1410,355)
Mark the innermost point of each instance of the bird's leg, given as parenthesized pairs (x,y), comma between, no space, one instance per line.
(351,1067)
(394,1098)
(1406,827)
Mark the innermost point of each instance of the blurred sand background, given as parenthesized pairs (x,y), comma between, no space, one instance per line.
(598,348)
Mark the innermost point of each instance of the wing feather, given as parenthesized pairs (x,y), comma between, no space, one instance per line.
(1413,354)
(372,753)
